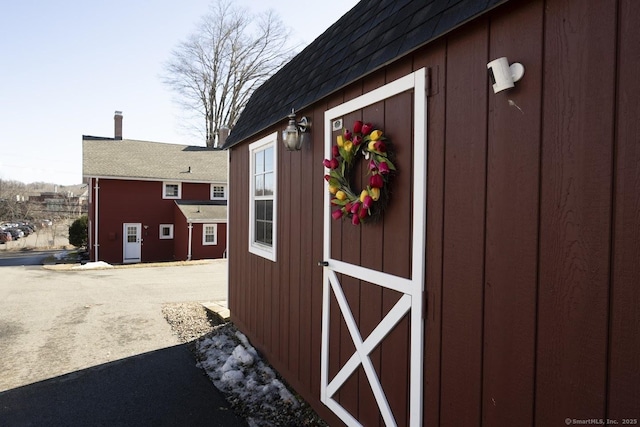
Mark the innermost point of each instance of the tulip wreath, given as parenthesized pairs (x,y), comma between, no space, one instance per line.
(374,147)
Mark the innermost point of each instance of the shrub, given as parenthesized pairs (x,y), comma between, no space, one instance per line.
(79,232)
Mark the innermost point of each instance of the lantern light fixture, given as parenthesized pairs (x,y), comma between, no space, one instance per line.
(296,132)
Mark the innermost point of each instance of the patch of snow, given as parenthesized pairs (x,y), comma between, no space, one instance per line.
(92,265)
(236,368)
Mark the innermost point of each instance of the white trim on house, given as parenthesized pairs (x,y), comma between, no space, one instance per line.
(128,178)
(213,190)
(411,303)
(171,183)
(204,234)
(167,236)
(255,247)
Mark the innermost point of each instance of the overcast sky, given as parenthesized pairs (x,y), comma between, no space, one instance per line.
(67,65)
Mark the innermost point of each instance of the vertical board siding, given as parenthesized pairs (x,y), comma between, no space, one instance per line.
(533,230)
(575,210)
(512,223)
(624,340)
(464,204)
(394,375)
(435,60)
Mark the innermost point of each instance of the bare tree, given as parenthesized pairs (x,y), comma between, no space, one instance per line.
(215,71)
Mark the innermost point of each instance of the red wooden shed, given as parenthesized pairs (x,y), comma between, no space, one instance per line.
(501,284)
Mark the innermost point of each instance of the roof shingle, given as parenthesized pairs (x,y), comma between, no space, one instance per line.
(369,36)
(152,161)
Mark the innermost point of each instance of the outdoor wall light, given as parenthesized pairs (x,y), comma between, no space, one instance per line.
(295,133)
(503,76)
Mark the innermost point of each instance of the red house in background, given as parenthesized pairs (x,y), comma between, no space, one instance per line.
(152,201)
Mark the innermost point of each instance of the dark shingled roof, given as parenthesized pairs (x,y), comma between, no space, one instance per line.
(369,36)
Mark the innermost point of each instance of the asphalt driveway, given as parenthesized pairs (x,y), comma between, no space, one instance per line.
(91,347)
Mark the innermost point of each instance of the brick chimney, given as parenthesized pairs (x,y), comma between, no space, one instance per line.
(117,118)
(223,134)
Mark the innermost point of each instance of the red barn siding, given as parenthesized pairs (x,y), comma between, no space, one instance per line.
(132,201)
(533,224)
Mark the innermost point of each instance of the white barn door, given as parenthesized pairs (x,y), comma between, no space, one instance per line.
(411,301)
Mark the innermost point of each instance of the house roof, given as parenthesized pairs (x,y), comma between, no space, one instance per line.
(203,211)
(130,159)
(368,37)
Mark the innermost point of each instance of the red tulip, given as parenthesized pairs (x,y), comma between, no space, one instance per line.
(380,146)
(355,220)
(383,167)
(347,134)
(355,207)
(327,163)
(327,178)
(376,181)
(368,201)
(357,140)
(335,151)
(357,126)
(363,213)
(337,214)
(367,128)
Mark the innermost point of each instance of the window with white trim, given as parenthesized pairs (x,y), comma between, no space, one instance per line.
(166,231)
(171,190)
(218,192)
(209,234)
(262,197)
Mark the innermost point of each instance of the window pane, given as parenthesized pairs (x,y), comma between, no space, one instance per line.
(268,159)
(268,206)
(209,234)
(171,190)
(260,232)
(260,210)
(259,162)
(165,231)
(268,184)
(259,185)
(268,238)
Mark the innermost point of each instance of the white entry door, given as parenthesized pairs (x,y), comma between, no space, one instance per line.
(411,289)
(131,233)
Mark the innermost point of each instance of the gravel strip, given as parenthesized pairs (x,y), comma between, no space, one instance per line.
(193,324)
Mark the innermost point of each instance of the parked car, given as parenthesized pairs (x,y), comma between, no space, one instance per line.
(16,233)
(5,236)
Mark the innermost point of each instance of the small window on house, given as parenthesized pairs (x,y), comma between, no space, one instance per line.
(166,231)
(171,190)
(263,196)
(218,192)
(209,234)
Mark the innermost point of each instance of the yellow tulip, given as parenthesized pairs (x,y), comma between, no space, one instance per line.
(340,141)
(372,146)
(375,135)
(364,194)
(341,195)
(374,193)
(348,145)
(332,189)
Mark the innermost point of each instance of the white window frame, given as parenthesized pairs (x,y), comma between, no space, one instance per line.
(257,248)
(212,192)
(204,234)
(164,190)
(170,227)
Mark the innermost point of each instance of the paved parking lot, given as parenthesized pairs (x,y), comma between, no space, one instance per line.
(56,322)
(91,347)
